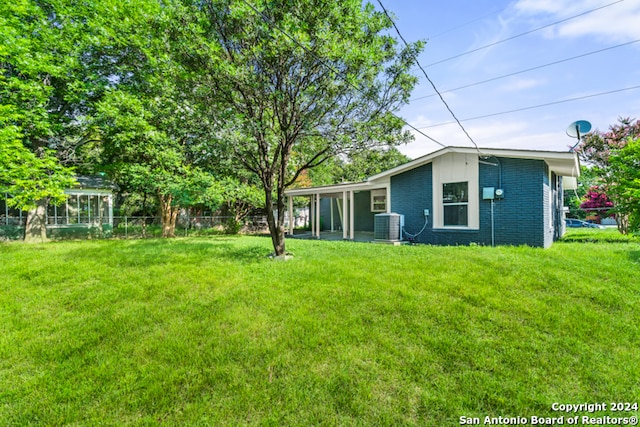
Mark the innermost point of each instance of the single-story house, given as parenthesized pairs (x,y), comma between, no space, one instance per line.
(454,196)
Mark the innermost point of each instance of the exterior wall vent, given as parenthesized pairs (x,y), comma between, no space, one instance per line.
(388,227)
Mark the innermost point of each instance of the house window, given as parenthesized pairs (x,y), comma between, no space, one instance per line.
(455,201)
(379,200)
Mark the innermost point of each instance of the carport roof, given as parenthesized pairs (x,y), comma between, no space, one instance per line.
(335,190)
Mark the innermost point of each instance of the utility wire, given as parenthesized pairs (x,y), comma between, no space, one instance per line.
(427,77)
(272,24)
(522,34)
(528,69)
(535,106)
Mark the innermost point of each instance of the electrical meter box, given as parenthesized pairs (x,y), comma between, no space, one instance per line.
(488,193)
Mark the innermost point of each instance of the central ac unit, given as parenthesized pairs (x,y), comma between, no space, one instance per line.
(388,226)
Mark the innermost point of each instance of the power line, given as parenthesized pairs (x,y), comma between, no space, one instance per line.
(528,69)
(427,77)
(534,106)
(272,24)
(522,34)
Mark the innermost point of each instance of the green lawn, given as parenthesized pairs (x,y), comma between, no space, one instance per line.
(210,332)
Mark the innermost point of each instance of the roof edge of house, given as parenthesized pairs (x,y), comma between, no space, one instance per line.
(566,163)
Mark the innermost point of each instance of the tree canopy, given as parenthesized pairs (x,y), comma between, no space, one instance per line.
(300,81)
(167,96)
(354,167)
(596,147)
(39,91)
(599,149)
(625,180)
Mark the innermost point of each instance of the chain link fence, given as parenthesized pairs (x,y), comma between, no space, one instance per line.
(142,227)
(151,226)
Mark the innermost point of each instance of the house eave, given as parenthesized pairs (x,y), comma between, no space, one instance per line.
(561,163)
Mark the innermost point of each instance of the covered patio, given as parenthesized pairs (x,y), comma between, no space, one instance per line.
(341,212)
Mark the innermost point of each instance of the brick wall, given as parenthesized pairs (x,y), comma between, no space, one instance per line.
(411,194)
(519,218)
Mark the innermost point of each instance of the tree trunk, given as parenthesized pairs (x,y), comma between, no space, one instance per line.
(35,230)
(169,215)
(276,225)
(622,220)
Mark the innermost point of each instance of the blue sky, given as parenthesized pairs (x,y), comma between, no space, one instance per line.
(453,27)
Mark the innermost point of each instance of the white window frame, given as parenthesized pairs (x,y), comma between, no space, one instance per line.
(465,203)
(379,200)
(456,167)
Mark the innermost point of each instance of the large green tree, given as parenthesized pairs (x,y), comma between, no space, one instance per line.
(38,90)
(31,180)
(357,166)
(57,58)
(625,179)
(145,153)
(596,147)
(596,150)
(299,81)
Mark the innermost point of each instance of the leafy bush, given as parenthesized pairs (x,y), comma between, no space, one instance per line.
(232,226)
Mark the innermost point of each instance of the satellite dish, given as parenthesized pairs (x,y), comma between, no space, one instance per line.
(576,129)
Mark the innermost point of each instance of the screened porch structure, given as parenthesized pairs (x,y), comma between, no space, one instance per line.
(90,204)
(348,208)
(83,207)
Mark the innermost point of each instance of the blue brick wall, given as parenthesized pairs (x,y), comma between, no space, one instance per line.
(518,218)
(411,194)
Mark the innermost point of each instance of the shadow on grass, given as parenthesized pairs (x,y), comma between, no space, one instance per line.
(151,252)
(595,237)
(634,256)
(249,254)
(595,240)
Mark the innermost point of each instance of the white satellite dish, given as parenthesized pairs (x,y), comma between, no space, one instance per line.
(579,128)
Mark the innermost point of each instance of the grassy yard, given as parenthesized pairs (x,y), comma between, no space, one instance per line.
(210,332)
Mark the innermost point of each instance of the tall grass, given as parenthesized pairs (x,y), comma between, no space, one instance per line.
(209,331)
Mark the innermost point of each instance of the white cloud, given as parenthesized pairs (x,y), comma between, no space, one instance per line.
(617,22)
(516,84)
(540,6)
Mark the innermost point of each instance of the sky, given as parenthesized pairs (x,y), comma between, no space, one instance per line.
(537,33)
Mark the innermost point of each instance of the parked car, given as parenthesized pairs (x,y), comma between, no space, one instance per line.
(577,223)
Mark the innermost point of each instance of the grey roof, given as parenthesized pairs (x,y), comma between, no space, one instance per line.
(95,181)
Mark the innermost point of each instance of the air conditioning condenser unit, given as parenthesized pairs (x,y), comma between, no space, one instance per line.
(388,227)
